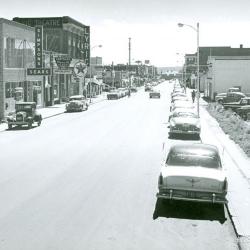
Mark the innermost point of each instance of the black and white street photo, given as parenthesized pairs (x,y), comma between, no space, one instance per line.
(124,125)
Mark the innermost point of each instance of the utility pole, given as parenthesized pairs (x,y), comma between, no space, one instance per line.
(129,61)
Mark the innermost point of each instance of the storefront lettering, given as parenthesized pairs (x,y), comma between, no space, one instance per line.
(38,46)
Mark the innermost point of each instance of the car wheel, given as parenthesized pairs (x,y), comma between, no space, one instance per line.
(39,122)
(9,126)
(220,101)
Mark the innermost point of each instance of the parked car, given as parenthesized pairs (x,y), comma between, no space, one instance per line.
(178,94)
(244,112)
(114,94)
(179,111)
(77,103)
(155,94)
(235,105)
(193,173)
(180,98)
(220,96)
(133,89)
(148,88)
(25,114)
(181,104)
(186,123)
(232,97)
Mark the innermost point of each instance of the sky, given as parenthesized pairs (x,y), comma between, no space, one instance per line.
(151,25)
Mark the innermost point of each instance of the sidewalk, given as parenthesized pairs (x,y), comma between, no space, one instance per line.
(58,109)
(238,171)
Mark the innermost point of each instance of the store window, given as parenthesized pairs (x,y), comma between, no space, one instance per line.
(18,53)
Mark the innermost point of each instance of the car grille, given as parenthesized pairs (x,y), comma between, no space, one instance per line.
(19,118)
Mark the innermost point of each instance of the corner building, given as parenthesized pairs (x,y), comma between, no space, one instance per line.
(62,36)
(17,49)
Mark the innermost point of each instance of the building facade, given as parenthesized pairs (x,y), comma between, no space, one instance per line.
(17,53)
(225,72)
(62,36)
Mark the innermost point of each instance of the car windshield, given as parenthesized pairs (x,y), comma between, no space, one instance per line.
(21,107)
(187,160)
(76,99)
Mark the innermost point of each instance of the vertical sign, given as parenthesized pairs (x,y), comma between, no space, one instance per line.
(86,45)
(39,46)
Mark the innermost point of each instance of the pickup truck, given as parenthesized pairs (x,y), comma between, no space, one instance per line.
(235,105)
(233,97)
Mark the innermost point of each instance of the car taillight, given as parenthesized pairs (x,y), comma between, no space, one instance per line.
(225,185)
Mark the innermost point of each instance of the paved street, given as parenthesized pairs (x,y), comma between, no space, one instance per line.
(88,181)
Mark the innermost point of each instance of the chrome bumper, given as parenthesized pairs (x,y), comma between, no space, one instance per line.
(171,196)
(187,132)
(18,123)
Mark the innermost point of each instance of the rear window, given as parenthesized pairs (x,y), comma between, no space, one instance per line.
(187,160)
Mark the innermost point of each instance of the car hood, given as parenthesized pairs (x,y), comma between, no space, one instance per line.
(186,120)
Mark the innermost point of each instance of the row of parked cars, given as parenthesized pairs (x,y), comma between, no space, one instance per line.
(183,118)
(235,100)
(193,171)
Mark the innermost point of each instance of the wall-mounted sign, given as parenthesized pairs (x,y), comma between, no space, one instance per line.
(38,71)
(86,45)
(63,62)
(80,69)
(39,46)
(63,71)
(47,22)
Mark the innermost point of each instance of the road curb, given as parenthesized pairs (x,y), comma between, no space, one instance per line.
(92,103)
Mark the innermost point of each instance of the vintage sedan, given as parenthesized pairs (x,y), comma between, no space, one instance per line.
(180,98)
(184,123)
(77,103)
(25,114)
(114,94)
(179,111)
(155,94)
(182,104)
(193,173)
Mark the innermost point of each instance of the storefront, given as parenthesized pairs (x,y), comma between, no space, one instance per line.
(17,53)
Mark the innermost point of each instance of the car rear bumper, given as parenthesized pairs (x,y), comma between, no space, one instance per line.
(186,132)
(193,196)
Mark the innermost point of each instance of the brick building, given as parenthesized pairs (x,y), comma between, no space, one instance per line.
(16,55)
(62,36)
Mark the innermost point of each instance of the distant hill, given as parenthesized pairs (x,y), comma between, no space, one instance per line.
(168,70)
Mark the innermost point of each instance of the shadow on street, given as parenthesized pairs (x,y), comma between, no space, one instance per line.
(189,210)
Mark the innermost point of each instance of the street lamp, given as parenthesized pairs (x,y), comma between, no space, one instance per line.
(90,71)
(198,77)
